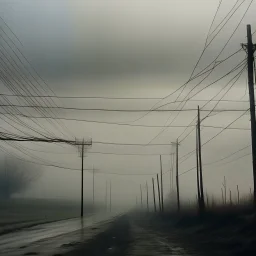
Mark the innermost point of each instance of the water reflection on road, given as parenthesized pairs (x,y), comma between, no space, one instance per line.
(12,243)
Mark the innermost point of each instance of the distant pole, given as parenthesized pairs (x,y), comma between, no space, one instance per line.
(230,197)
(171,173)
(200,161)
(147,195)
(222,195)
(110,197)
(82,182)
(141,203)
(154,197)
(250,60)
(173,158)
(238,196)
(177,175)
(93,201)
(225,190)
(162,188)
(159,195)
(106,196)
(197,172)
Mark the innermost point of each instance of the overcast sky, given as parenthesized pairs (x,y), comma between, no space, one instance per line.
(129,48)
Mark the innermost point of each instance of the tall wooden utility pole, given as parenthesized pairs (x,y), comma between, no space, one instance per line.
(82,181)
(162,188)
(177,175)
(200,161)
(141,203)
(250,51)
(159,195)
(81,151)
(147,195)
(197,173)
(154,196)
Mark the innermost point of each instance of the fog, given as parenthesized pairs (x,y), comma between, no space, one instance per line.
(121,48)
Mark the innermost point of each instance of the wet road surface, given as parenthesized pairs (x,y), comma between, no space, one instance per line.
(97,235)
(124,238)
(51,238)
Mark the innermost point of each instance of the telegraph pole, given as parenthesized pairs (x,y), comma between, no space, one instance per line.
(141,203)
(171,174)
(250,51)
(159,195)
(110,199)
(200,161)
(81,151)
(106,196)
(82,182)
(177,175)
(162,188)
(154,197)
(93,202)
(197,172)
(147,195)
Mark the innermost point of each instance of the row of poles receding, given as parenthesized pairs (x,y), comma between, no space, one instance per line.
(200,189)
(250,49)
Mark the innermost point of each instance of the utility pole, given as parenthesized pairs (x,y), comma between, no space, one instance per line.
(110,195)
(162,188)
(159,195)
(106,196)
(147,195)
(93,202)
(177,175)
(238,196)
(250,60)
(141,203)
(197,173)
(81,151)
(171,174)
(200,161)
(82,181)
(225,189)
(154,197)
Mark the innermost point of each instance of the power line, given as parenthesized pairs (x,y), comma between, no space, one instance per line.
(179,110)
(194,77)
(221,159)
(190,153)
(237,76)
(125,124)
(114,110)
(80,97)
